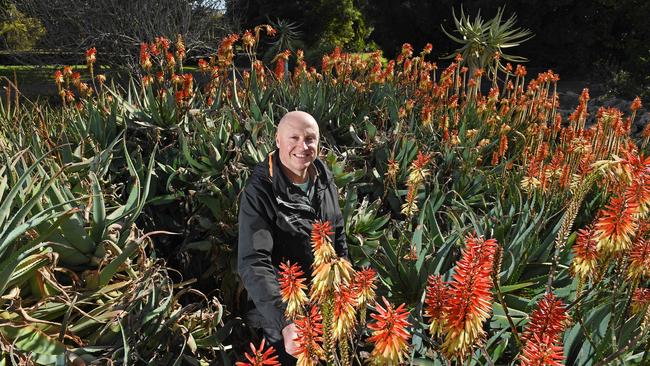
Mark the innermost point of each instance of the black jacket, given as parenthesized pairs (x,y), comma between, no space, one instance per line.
(275,221)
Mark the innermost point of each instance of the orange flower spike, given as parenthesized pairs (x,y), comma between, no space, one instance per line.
(188,82)
(636,104)
(639,265)
(586,256)
(520,71)
(321,242)
(203,65)
(640,300)
(548,319)
(330,276)
(309,334)
(145,57)
(544,351)
(180,48)
(427,49)
(248,40)
(616,226)
(76,78)
(639,193)
(437,295)
(260,357)
(407,50)
(162,43)
(364,286)
(225,52)
(58,78)
(637,168)
(281,64)
(270,31)
(67,72)
(419,172)
(171,61)
(292,289)
(344,317)
(91,56)
(389,334)
(470,299)
(543,333)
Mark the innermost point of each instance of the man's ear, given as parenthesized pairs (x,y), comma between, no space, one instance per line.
(277,143)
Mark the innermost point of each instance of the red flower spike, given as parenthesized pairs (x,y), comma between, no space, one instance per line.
(364,286)
(309,334)
(543,333)
(437,295)
(639,265)
(260,357)
(586,255)
(292,288)
(470,298)
(544,351)
(344,317)
(91,56)
(640,300)
(616,226)
(549,319)
(389,334)
(321,242)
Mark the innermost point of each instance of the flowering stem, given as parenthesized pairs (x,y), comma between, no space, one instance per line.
(631,344)
(623,314)
(584,328)
(487,356)
(502,301)
(567,222)
(328,340)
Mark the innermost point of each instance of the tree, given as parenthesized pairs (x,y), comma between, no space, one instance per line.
(323,23)
(19,32)
(117,27)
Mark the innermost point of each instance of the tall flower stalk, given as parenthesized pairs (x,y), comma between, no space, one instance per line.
(390,335)
(543,334)
(470,297)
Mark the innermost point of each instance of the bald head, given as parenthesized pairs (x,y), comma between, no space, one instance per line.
(297,141)
(297,116)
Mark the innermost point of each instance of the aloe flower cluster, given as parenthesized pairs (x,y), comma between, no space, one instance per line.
(543,334)
(336,294)
(458,309)
(620,231)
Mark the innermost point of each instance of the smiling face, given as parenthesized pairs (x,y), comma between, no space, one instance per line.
(297,142)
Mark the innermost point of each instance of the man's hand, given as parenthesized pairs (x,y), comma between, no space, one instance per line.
(289,333)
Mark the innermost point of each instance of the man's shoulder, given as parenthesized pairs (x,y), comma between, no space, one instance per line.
(260,179)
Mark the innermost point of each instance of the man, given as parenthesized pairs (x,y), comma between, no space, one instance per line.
(283,197)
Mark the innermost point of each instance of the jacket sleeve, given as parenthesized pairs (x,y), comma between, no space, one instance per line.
(254,260)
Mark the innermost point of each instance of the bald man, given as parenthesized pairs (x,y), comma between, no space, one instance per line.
(283,197)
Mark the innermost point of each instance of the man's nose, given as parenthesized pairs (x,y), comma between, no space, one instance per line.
(304,145)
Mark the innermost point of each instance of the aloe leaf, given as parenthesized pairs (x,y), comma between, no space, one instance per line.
(30,339)
(98,210)
(188,156)
(9,265)
(5,207)
(8,237)
(26,268)
(112,268)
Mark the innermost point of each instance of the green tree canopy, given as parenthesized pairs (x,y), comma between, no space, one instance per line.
(19,32)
